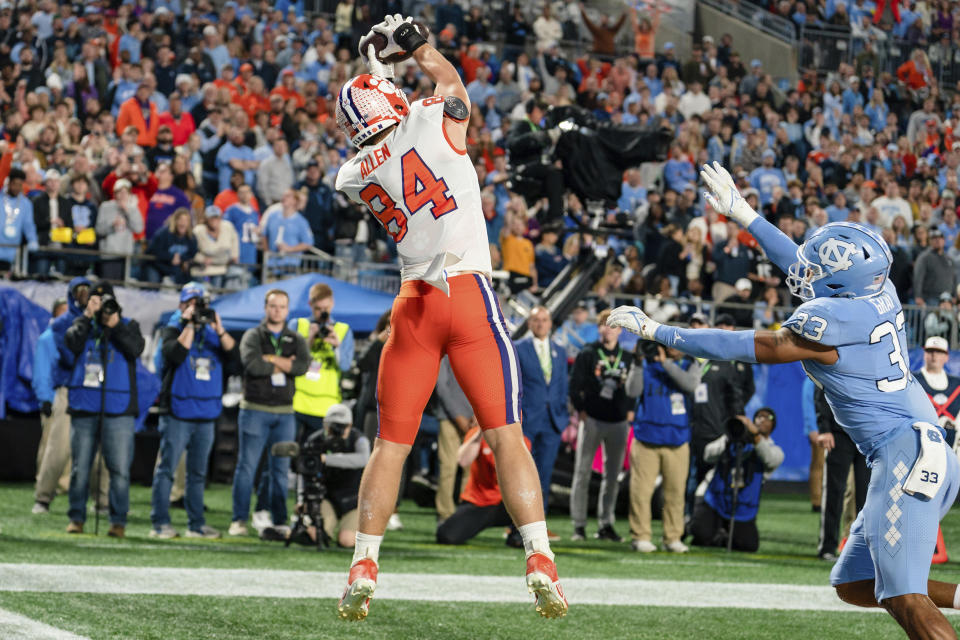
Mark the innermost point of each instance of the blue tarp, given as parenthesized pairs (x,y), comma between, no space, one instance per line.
(23,322)
(778,387)
(358,306)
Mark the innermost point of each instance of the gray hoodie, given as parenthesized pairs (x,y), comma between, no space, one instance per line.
(118,240)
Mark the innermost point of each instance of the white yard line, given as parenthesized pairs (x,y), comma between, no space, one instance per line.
(411,586)
(14,626)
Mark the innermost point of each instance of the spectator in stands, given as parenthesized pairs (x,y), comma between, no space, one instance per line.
(245,219)
(167,199)
(179,121)
(140,112)
(604,32)
(733,262)
(287,232)
(272,356)
(933,273)
(235,155)
(53,220)
(603,385)
(197,353)
(118,222)
(740,307)
(759,457)
(678,170)
(105,347)
(18,219)
(767,177)
(661,433)
(544,379)
(163,151)
(546,28)
(519,258)
(229,196)
(275,174)
(319,210)
(173,248)
(217,248)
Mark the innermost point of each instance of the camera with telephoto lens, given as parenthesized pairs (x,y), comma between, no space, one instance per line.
(203,313)
(649,349)
(737,431)
(108,301)
(323,321)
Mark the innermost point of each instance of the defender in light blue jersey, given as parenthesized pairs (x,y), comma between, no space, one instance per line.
(848,335)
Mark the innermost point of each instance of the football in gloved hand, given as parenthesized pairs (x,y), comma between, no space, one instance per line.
(379,42)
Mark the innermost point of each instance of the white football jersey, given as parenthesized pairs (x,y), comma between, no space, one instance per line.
(425,194)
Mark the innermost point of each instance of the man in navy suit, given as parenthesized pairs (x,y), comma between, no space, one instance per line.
(543,368)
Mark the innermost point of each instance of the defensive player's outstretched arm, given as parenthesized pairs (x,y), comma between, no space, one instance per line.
(769,347)
(725,198)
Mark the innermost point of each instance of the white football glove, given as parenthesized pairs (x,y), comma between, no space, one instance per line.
(633,320)
(377,68)
(723,195)
(387,27)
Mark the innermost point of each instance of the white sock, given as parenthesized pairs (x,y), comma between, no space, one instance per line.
(366,546)
(956,598)
(535,538)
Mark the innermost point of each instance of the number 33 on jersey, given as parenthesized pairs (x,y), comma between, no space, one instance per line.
(423,191)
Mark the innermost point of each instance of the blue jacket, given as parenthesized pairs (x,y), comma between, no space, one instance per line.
(719,493)
(111,353)
(60,325)
(45,369)
(192,379)
(662,416)
(543,405)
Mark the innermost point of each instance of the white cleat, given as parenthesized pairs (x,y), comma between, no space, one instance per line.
(542,581)
(355,602)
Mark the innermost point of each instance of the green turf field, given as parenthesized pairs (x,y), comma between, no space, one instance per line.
(787,556)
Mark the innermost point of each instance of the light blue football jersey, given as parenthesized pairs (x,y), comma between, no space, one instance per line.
(870,388)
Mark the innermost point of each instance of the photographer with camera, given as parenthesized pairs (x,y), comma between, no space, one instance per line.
(272,356)
(330,344)
(745,456)
(661,432)
(102,401)
(196,351)
(603,386)
(329,465)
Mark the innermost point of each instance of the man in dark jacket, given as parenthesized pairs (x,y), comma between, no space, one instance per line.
(272,356)
(102,403)
(603,387)
(50,211)
(319,208)
(841,454)
(724,390)
(196,352)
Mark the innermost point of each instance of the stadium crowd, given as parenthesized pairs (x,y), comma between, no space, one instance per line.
(144,129)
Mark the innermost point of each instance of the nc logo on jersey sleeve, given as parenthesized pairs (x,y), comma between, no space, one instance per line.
(835,254)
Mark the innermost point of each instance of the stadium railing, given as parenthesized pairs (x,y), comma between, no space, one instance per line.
(373,275)
(824,47)
(770,23)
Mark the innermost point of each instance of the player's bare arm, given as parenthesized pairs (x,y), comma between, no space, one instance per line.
(456,108)
(785,345)
(767,347)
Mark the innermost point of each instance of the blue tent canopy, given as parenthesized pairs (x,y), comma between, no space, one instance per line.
(357,306)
